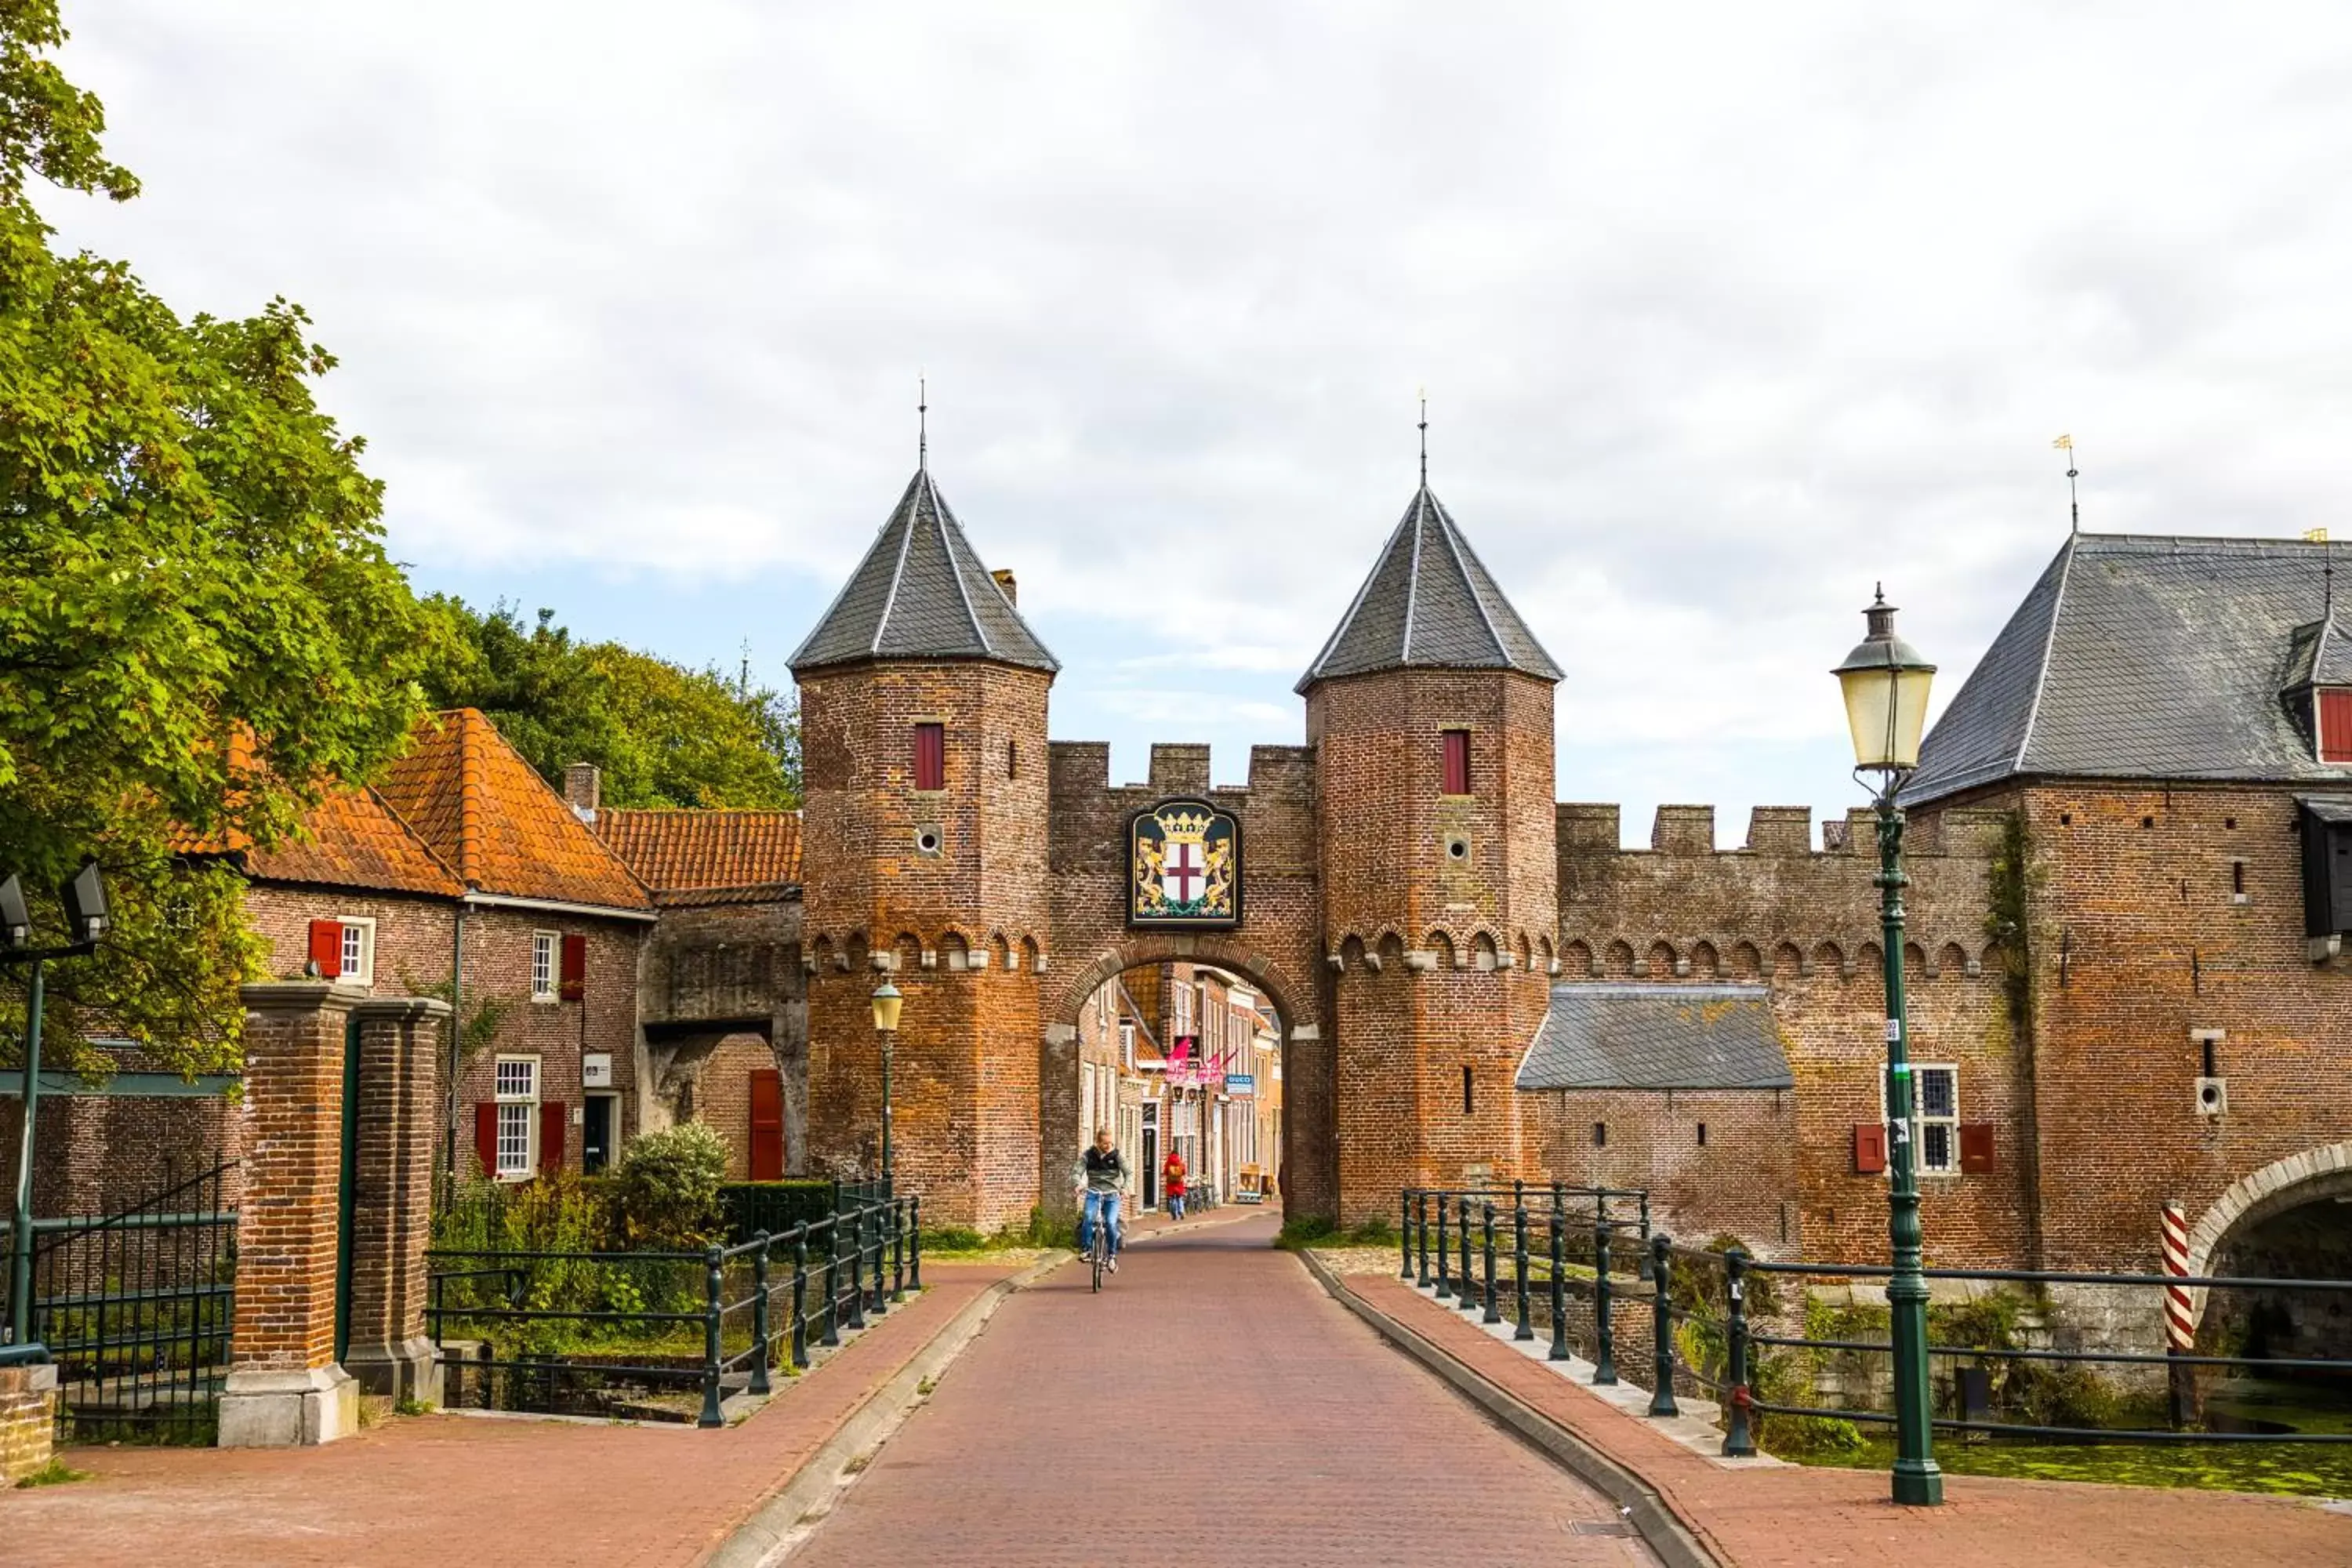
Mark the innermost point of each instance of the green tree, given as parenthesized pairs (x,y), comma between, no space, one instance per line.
(199,628)
(662,734)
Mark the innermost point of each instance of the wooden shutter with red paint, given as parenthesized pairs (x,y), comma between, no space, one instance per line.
(327,948)
(551,1137)
(573,977)
(766,1125)
(930,756)
(1457,761)
(1869,1148)
(2336,726)
(1976,1148)
(486,1135)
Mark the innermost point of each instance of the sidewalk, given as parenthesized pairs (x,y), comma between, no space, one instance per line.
(467,1489)
(1792,1516)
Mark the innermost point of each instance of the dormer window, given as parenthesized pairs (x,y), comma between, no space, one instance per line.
(2335,723)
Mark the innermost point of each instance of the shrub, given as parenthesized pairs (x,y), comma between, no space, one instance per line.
(665,1188)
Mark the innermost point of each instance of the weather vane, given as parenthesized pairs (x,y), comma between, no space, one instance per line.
(1424,438)
(2066,444)
(922,422)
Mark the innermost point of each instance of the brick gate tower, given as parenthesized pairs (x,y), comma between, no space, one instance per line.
(1431,712)
(923,736)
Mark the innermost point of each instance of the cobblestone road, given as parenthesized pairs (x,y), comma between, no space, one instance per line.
(1211,1405)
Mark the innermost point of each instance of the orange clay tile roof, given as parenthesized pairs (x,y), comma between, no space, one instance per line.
(350,839)
(487,813)
(674,850)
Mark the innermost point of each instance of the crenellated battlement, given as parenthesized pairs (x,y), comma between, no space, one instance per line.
(1588,828)
(1080,767)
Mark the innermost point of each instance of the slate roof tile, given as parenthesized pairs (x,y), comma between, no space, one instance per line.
(1616,1035)
(1429,604)
(921,593)
(2147,657)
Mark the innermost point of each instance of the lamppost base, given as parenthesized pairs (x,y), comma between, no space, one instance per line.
(1919,1485)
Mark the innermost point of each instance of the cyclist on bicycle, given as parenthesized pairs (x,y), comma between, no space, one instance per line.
(1101,1176)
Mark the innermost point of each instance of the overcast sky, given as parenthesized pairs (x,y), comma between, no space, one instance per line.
(1725,312)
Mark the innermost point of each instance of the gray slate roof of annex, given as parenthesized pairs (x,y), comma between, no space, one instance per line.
(921,593)
(1429,604)
(2143,657)
(1612,1036)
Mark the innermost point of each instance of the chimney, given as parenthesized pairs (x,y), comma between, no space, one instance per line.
(1004,581)
(584,785)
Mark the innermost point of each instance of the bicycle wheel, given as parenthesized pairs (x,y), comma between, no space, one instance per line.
(1100,1251)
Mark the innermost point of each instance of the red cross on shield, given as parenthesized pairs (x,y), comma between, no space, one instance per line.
(1181,874)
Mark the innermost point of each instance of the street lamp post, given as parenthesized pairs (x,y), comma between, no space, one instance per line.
(887,1003)
(86,918)
(1885,682)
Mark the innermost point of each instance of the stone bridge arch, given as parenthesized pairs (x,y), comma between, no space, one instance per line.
(2324,1172)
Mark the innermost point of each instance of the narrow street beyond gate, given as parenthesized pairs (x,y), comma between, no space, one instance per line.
(1211,1405)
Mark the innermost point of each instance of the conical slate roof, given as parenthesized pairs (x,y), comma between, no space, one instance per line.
(1429,604)
(920,593)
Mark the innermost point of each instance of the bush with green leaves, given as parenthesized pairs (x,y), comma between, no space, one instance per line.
(666,1189)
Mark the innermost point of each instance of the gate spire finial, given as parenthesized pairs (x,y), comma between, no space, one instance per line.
(1424,438)
(922,422)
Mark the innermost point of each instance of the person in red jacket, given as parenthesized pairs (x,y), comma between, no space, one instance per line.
(1171,1178)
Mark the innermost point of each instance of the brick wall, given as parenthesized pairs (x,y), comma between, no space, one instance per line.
(949,887)
(1741,1180)
(1443,911)
(29,1399)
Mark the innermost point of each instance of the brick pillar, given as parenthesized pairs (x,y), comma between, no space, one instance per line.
(392,1204)
(28,1405)
(284,1388)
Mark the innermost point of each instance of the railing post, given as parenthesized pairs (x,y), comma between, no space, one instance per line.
(1486,1246)
(1604,1311)
(880,1305)
(800,1294)
(1739,1441)
(832,1281)
(1444,1255)
(760,1314)
(898,1249)
(1526,1329)
(1559,1351)
(1421,1217)
(714,1263)
(1469,1280)
(1661,1327)
(1404,1232)
(856,1267)
(915,1241)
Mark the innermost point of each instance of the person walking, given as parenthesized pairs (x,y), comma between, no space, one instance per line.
(1172,1179)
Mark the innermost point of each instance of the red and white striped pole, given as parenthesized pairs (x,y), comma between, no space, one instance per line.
(2180,1311)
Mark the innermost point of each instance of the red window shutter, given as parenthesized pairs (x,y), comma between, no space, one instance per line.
(551,1137)
(930,756)
(766,1125)
(2336,726)
(573,978)
(1457,761)
(1869,1148)
(327,948)
(1976,1148)
(486,1135)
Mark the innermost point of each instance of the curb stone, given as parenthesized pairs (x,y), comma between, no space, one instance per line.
(1673,1539)
(776,1527)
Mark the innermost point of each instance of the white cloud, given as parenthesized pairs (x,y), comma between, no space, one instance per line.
(1728,311)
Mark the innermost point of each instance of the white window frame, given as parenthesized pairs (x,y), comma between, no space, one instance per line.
(546,964)
(1921,1121)
(359,931)
(522,1102)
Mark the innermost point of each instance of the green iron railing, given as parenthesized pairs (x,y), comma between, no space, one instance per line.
(664,1335)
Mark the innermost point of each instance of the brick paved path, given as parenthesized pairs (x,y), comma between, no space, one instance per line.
(1211,1405)
(1799,1518)
(460,1489)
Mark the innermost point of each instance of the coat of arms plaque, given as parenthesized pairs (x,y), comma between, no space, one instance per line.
(1184,865)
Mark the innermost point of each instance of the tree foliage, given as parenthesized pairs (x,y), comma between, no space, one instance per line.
(663,735)
(199,628)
